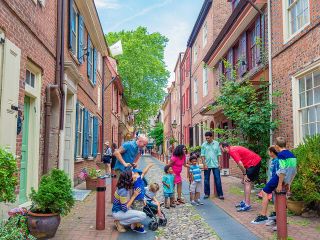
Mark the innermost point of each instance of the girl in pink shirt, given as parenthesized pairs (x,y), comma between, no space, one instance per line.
(178,160)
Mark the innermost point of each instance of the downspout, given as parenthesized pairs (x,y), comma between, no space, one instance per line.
(270,65)
(181,103)
(102,105)
(62,66)
(50,87)
(190,91)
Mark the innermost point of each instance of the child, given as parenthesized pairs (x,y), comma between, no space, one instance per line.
(283,178)
(137,176)
(272,171)
(168,187)
(150,197)
(195,180)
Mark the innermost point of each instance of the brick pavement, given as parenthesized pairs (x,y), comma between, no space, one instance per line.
(80,224)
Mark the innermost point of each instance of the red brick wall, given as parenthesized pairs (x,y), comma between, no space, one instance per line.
(32,29)
(290,58)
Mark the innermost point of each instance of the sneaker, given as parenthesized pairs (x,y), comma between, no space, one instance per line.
(260,220)
(221,197)
(274,228)
(245,208)
(139,230)
(206,196)
(193,203)
(199,202)
(272,216)
(240,204)
(270,222)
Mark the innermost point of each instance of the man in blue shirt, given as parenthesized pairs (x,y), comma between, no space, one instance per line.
(211,154)
(128,154)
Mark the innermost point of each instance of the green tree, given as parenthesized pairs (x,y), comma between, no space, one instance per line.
(142,70)
(157,133)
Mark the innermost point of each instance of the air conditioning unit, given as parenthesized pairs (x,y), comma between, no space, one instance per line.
(225,171)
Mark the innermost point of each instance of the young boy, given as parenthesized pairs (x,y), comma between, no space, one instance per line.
(150,197)
(168,187)
(195,181)
(137,176)
(283,178)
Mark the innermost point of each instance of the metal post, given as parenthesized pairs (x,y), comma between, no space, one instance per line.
(281,213)
(101,204)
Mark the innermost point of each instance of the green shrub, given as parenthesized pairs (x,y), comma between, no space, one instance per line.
(15,228)
(8,176)
(306,184)
(54,194)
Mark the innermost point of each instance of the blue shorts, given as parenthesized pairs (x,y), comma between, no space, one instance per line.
(168,195)
(271,185)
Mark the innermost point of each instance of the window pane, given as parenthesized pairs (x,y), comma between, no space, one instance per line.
(318,113)
(32,79)
(312,114)
(317,95)
(305,130)
(313,129)
(318,127)
(316,79)
(302,85)
(309,97)
(27,77)
(302,99)
(309,81)
(304,116)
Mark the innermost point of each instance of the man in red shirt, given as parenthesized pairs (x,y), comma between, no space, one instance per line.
(249,163)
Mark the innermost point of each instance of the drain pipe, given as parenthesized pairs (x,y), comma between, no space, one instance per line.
(61,80)
(270,64)
(102,105)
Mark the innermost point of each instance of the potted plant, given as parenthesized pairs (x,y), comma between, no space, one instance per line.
(16,228)
(90,176)
(8,176)
(53,198)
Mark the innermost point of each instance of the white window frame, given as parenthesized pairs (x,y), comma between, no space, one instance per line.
(287,19)
(204,35)
(76,33)
(205,80)
(99,97)
(297,130)
(195,53)
(195,93)
(80,131)
(90,134)
(99,63)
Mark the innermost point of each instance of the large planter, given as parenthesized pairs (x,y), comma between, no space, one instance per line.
(91,183)
(296,207)
(43,226)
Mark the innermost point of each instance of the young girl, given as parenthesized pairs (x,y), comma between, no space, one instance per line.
(168,186)
(121,211)
(150,197)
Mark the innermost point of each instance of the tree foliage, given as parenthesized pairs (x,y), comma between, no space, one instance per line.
(142,70)
(157,133)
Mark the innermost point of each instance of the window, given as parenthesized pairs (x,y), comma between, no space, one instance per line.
(195,53)
(74,30)
(79,130)
(30,78)
(297,15)
(205,35)
(205,80)
(195,92)
(309,104)
(90,134)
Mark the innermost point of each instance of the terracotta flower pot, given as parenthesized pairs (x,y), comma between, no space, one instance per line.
(43,226)
(91,183)
(295,206)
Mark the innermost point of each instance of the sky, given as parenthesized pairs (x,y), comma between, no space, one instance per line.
(172,18)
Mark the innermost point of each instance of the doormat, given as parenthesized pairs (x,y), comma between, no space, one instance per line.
(80,195)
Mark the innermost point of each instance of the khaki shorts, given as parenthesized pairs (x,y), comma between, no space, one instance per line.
(195,187)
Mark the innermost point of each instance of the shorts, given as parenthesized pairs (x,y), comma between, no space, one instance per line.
(168,195)
(271,185)
(113,162)
(106,159)
(253,172)
(195,187)
(138,205)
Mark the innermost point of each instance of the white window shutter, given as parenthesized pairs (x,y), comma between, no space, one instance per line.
(9,94)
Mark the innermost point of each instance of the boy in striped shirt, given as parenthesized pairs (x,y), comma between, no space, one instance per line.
(195,181)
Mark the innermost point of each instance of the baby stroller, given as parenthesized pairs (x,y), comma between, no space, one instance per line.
(151,211)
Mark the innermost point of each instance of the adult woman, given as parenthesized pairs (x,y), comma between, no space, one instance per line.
(121,211)
(178,160)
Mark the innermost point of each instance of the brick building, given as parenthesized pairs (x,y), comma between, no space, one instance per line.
(167,121)
(296,67)
(28,55)
(210,21)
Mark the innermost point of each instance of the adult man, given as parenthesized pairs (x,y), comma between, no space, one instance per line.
(249,163)
(128,154)
(211,157)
